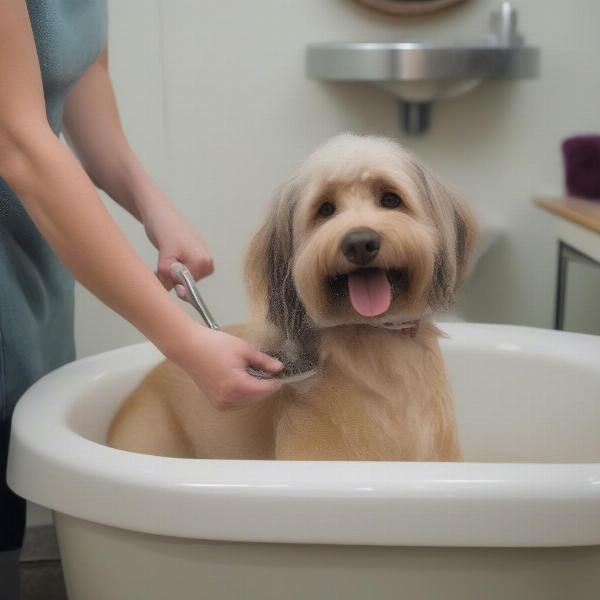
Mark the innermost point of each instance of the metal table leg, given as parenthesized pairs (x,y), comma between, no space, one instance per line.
(566,254)
(561,288)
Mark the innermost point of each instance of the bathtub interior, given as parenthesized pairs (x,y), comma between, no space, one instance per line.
(91,416)
(516,407)
(511,405)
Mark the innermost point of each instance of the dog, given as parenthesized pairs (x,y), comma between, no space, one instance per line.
(362,245)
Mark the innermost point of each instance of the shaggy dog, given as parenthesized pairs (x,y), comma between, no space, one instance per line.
(362,244)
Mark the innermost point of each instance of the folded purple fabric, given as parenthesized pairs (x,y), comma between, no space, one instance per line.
(582,166)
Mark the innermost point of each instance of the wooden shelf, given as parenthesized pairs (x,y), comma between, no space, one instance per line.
(576,210)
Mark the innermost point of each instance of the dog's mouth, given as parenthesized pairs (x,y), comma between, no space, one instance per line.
(370,290)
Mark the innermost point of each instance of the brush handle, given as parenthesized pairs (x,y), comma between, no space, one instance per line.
(182,275)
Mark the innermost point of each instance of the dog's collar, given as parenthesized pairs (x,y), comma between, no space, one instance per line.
(403,328)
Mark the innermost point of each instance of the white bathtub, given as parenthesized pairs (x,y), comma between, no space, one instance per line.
(519,520)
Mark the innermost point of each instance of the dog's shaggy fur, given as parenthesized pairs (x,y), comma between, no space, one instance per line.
(380,395)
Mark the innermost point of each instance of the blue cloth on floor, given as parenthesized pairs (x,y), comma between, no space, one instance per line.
(36,291)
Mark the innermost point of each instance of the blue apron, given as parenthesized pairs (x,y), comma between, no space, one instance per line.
(36,291)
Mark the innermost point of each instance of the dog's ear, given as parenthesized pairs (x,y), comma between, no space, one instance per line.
(269,266)
(458,235)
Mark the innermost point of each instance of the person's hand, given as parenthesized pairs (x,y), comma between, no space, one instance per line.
(176,240)
(217,363)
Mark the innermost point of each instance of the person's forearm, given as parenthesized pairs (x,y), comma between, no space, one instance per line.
(92,126)
(63,203)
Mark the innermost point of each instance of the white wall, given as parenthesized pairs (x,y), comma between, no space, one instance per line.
(215,101)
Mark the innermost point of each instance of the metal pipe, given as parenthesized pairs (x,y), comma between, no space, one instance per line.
(415,117)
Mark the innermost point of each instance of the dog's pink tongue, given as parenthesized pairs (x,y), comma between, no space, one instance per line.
(370,292)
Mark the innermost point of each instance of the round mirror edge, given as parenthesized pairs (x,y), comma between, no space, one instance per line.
(409,7)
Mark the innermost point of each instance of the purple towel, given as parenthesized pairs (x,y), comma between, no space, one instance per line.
(582,166)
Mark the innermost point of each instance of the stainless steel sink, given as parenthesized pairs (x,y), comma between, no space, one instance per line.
(419,73)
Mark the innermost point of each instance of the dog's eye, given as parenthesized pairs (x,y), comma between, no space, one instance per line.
(390,200)
(326,209)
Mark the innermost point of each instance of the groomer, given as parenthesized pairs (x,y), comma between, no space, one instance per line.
(53,226)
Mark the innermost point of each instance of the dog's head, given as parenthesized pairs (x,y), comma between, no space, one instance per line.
(362,233)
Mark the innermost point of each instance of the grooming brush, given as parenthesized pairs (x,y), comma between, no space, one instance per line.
(295,369)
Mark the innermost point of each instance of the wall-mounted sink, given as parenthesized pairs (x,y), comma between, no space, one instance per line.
(419,73)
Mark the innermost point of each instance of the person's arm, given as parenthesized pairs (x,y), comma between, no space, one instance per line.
(92,126)
(65,206)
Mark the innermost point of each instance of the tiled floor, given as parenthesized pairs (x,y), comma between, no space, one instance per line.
(41,571)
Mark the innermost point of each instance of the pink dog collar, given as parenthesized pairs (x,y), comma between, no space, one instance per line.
(403,328)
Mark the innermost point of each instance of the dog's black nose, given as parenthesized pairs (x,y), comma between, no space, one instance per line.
(361,246)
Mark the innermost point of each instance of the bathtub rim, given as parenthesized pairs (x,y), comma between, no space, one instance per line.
(463,504)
